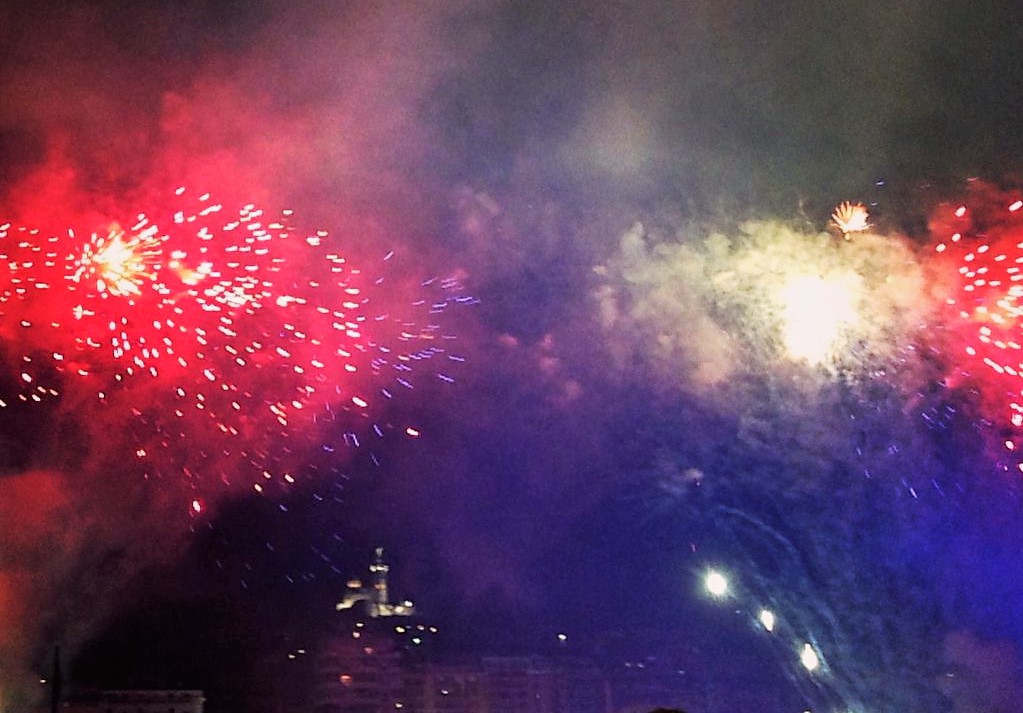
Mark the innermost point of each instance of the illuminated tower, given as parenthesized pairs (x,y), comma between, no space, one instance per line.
(379,570)
(375,597)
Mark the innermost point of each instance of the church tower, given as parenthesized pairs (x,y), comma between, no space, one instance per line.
(379,570)
(376,596)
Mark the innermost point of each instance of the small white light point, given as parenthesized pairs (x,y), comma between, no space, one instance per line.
(767,619)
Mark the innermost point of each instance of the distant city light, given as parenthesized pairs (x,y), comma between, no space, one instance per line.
(766,618)
(809,658)
(716,583)
(562,638)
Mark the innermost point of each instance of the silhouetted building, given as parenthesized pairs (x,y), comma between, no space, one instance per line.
(436,688)
(537,684)
(357,675)
(141,701)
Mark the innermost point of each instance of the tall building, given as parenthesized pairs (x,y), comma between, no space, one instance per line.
(357,675)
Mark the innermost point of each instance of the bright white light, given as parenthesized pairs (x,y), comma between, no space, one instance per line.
(809,658)
(766,618)
(716,583)
(814,312)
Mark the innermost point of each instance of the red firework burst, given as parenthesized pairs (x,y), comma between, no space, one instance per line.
(210,321)
(983,242)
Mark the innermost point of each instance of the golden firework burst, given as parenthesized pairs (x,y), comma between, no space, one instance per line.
(850,218)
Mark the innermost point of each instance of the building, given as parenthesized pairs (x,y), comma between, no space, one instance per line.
(359,674)
(377,660)
(368,675)
(539,684)
(140,701)
(439,688)
(375,597)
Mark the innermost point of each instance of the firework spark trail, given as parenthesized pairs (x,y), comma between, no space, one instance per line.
(804,614)
(256,334)
(982,248)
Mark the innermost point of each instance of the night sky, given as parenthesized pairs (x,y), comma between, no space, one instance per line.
(610,201)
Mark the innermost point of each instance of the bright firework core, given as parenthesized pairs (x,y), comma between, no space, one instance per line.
(815,311)
(716,583)
(118,263)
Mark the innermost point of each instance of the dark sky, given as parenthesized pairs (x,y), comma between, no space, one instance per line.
(622,188)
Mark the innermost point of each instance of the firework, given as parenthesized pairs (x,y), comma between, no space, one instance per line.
(767,295)
(120,263)
(814,313)
(850,218)
(983,250)
(211,321)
